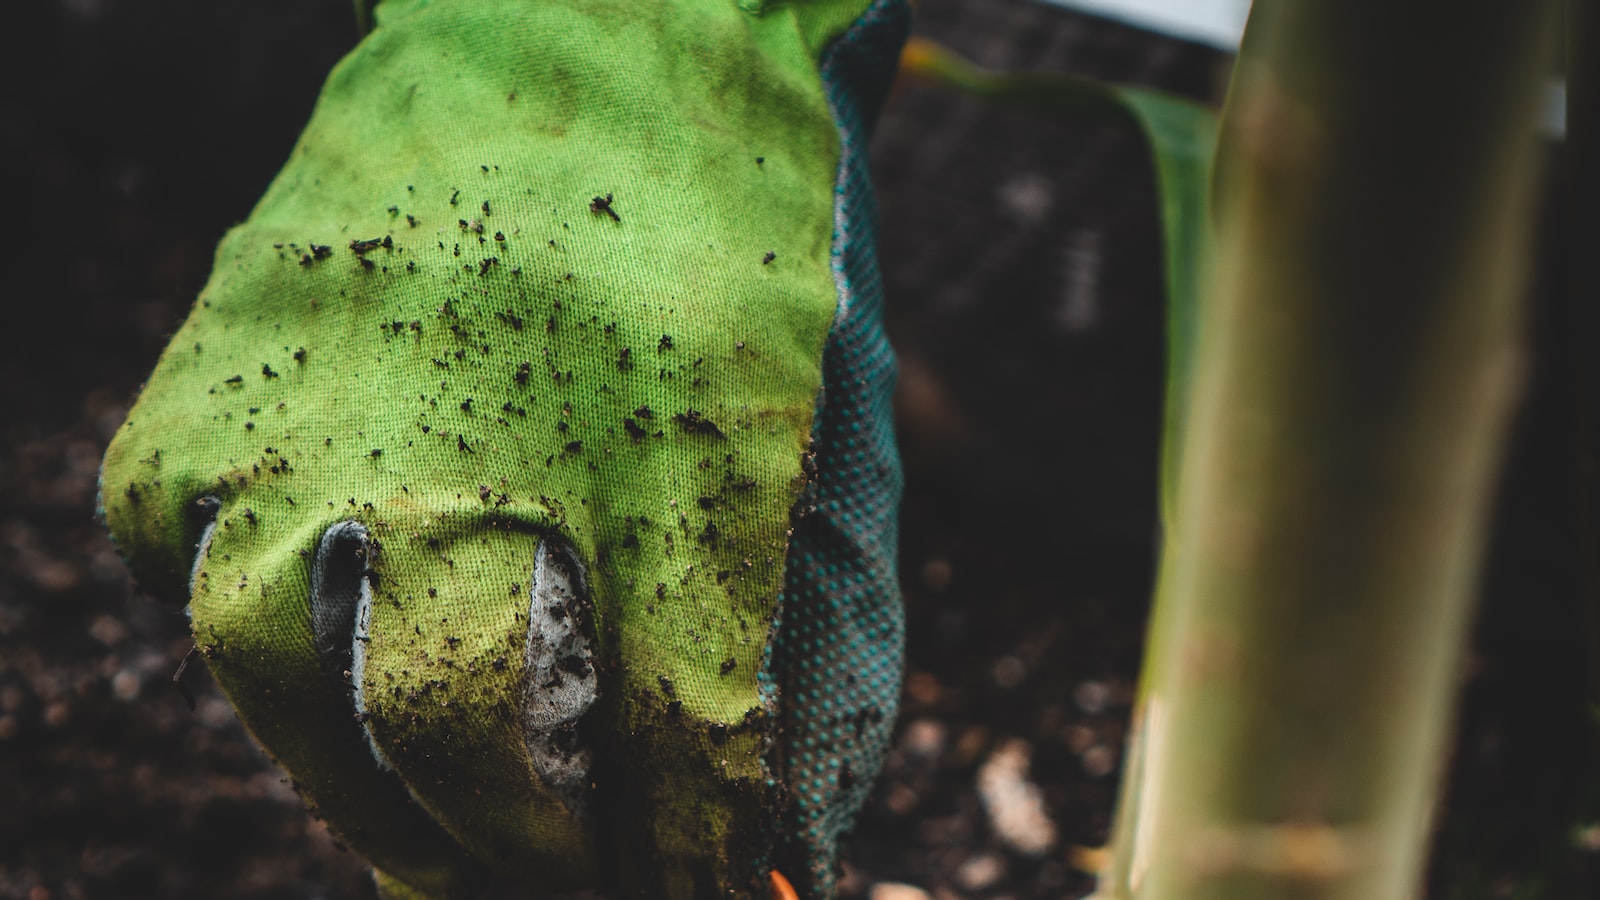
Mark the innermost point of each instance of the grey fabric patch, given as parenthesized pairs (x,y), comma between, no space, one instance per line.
(209,506)
(201,546)
(559,681)
(338,576)
(359,636)
(341,610)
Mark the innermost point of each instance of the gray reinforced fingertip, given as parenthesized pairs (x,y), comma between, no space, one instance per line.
(559,680)
(341,613)
(209,505)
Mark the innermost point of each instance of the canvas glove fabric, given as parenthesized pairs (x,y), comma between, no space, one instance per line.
(526,459)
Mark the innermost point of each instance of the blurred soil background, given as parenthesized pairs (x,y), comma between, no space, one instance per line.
(1022,265)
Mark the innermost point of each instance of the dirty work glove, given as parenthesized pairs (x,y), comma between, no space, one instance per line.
(526,460)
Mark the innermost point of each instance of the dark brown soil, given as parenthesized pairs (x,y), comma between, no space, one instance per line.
(1023,274)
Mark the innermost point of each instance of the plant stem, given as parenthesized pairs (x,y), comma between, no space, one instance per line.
(1358,357)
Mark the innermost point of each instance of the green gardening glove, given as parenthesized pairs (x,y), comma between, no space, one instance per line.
(526,459)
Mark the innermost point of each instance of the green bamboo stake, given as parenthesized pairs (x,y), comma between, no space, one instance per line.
(1358,356)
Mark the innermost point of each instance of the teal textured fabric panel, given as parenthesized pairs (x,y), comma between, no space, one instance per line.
(839,654)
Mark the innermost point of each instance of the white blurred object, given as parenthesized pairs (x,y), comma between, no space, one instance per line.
(1219,23)
(888,890)
(1015,805)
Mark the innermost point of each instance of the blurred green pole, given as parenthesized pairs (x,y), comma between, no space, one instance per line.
(1359,354)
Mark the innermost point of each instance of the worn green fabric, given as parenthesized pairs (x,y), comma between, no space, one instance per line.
(540,277)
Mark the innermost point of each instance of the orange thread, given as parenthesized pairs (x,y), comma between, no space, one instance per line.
(781,888)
